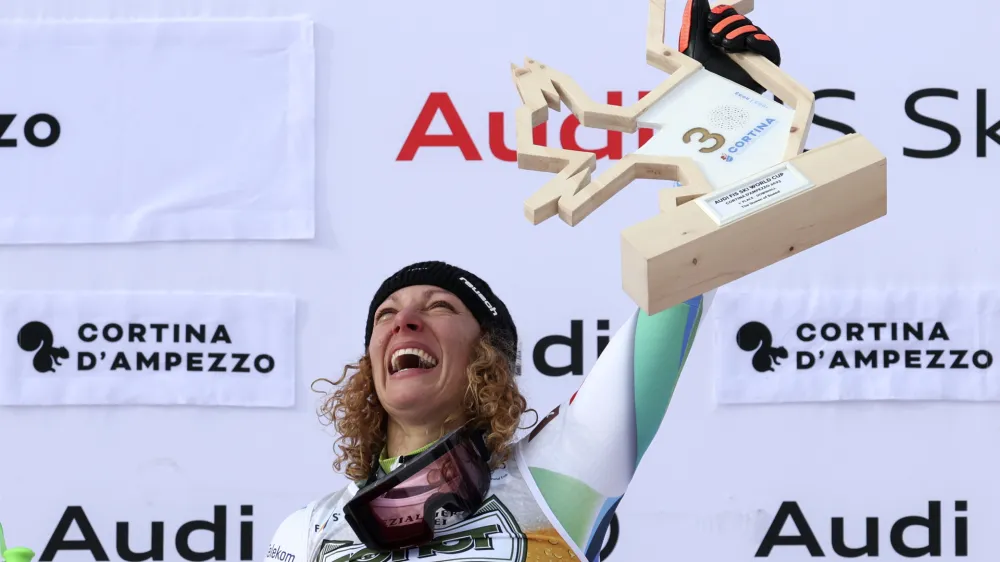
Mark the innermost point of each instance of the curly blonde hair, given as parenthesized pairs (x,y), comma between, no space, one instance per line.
(492,402)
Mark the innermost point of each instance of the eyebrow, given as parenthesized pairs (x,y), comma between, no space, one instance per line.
(425,294)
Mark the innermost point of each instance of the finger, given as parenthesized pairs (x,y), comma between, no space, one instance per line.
(735,40)
(727,26)
(721,12)
(763,45)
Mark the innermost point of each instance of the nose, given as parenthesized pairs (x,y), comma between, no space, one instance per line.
(407,319)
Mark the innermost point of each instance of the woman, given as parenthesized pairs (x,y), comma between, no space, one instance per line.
(450,341)
(440,357)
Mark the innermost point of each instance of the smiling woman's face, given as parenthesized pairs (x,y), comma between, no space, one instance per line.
(420,348)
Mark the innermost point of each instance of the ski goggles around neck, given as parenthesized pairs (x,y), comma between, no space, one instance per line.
(400,510)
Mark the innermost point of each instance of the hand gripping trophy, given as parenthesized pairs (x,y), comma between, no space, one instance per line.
(749,195)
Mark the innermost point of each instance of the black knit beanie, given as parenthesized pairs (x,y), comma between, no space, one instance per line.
(475,294)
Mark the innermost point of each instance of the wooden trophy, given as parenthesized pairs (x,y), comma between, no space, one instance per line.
(748,195)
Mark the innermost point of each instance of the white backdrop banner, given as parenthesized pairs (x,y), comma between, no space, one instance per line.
(147,349)
(157,130)
(414,142)
(869,344)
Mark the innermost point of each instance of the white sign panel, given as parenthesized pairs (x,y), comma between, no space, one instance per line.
(147,349)
(870,344)
(147,130)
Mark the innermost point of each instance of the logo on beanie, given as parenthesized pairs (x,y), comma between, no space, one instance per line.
(480,295)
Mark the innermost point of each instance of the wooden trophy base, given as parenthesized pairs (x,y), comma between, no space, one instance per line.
(684,251)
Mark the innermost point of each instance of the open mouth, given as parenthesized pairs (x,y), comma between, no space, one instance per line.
(411,358)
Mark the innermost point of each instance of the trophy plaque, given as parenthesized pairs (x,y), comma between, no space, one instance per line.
(748,194)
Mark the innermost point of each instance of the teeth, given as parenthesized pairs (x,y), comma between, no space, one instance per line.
(426,360)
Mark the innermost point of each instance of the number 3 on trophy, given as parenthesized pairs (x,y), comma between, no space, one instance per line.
(705,137)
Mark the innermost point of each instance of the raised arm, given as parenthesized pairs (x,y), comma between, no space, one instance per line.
(583,455)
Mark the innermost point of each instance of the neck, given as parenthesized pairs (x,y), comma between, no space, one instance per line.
(403,438)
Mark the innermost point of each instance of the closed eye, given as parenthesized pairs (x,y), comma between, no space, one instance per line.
(436,304)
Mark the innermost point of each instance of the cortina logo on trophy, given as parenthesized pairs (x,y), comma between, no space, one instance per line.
(37,337)
(755,336)
(750,194)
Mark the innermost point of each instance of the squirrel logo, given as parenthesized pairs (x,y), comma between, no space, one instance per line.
(755,335)
(37,337)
